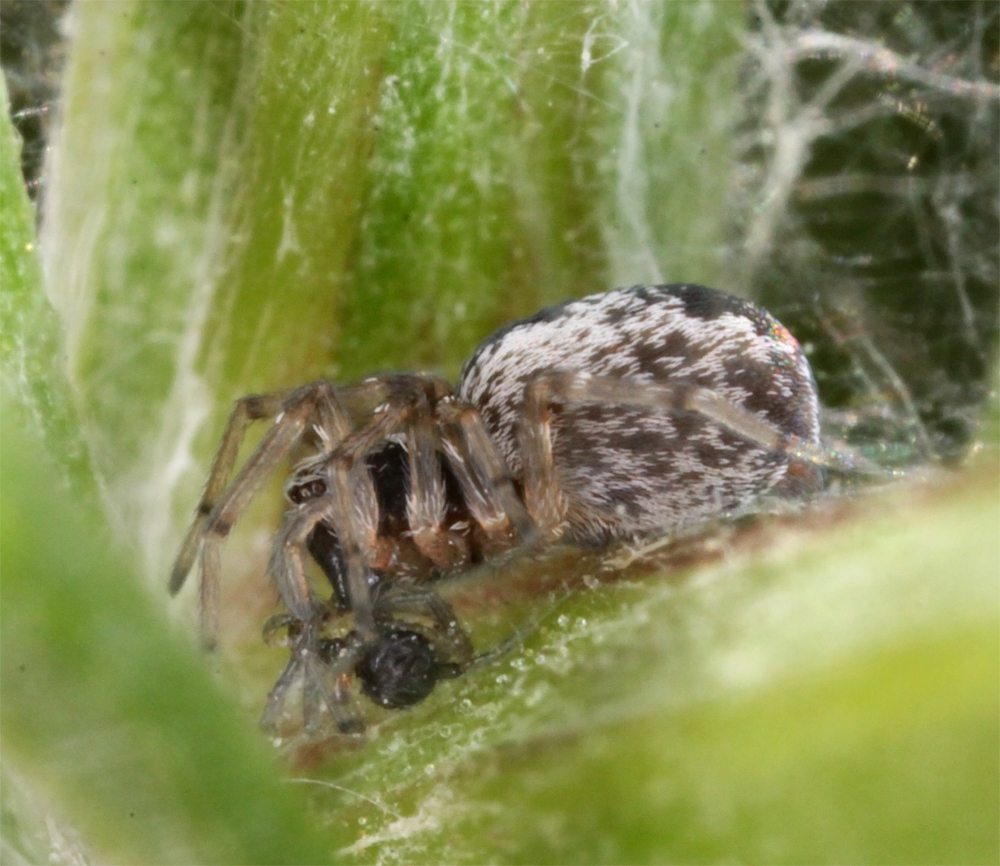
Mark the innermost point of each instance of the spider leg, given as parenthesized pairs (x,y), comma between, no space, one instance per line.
(324,667)
(313,402)
(275,705)
(578,388)
(247,410)
(354,506)
(282,437)
(287,565)
(739,421)
(542,494)
(409,398)
(328,681)
(426,501)
(482,474)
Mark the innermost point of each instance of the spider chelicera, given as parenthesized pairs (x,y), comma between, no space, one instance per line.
(620,415)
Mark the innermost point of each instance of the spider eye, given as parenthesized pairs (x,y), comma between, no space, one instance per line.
(398,670)
(311,489)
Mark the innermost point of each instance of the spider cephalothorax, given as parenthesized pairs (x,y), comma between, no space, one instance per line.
(626,413)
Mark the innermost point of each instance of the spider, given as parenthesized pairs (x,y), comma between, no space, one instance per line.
(623,414)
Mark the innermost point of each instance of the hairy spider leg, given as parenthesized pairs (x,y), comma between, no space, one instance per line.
(221,506)
(543,495)
(287,566)
(315,403)
(485,480)
(691,398)
(542,492)
(354,506)
(426,502)
(247,410)
(404,409)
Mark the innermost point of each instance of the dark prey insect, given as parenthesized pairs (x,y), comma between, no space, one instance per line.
(619,415)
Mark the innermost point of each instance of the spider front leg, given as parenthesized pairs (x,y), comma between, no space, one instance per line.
(353,503)
(337,491)
(287,566)
(247,410)
(405,412)
(221,506)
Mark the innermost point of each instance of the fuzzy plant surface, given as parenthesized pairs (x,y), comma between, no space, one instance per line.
(246,196)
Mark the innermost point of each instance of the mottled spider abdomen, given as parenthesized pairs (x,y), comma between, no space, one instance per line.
(627,469)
